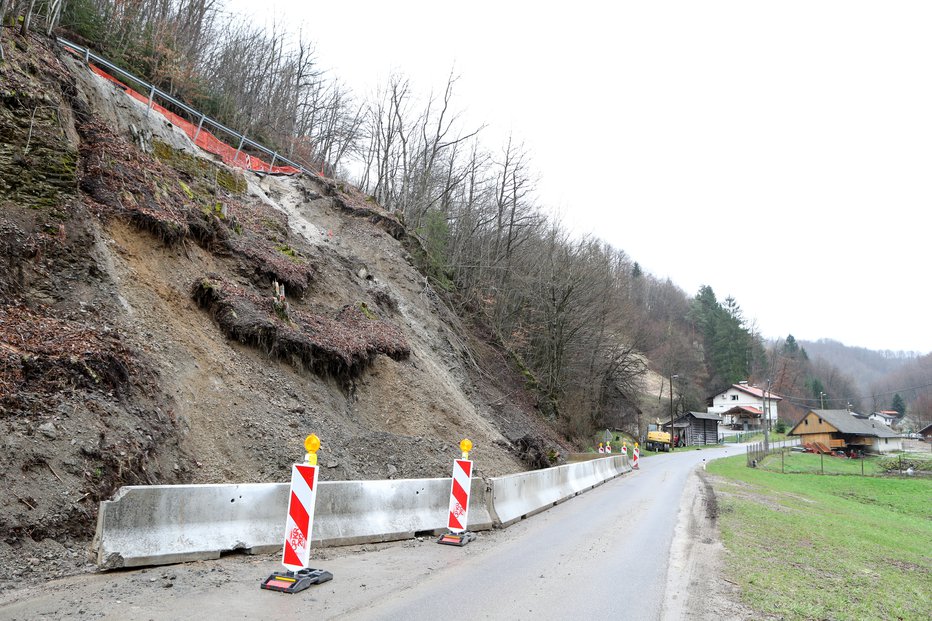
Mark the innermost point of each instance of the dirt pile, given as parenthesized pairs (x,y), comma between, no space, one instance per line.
(144,336)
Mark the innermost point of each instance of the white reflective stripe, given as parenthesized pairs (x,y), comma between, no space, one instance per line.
(301,489)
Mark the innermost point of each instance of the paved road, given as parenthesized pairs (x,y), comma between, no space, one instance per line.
(602,554)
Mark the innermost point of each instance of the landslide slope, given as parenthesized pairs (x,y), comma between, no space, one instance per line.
(142,340)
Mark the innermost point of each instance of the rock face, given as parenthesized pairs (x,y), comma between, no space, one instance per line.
(165,319)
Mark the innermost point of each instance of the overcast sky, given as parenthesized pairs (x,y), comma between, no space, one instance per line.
(779,152)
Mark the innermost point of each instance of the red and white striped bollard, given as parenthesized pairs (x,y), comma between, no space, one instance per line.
(458,514)
(296,551)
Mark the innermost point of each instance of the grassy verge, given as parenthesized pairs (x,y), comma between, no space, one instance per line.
(795,463)
(818,547)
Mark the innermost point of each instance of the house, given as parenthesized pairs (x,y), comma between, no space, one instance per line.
(744,407)
(887,417)
(841,431)
(696,428)
(926,433)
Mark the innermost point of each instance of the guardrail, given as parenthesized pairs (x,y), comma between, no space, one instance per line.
(163,524)
(204,122)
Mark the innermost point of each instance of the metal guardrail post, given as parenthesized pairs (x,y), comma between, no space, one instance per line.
(242,139)
(199,125)
(151,97)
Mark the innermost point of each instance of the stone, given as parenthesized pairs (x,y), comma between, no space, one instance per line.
(48,430)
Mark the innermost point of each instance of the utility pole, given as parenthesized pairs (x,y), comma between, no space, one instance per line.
(766,419)
(672,377)
(822,399)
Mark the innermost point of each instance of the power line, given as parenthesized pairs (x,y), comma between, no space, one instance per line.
(803,401)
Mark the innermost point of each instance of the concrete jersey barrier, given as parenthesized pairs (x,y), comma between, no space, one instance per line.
(517,496)
(163,524)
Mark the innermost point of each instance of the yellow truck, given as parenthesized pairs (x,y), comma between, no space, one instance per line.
(657,440)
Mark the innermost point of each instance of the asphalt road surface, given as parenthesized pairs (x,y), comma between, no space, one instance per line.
(602,554)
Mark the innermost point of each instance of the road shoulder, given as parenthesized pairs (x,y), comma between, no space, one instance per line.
(696,586)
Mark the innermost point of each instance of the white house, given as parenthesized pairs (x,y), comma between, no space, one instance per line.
(744,405)
(887,417)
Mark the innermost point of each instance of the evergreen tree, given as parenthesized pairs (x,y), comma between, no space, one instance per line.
(898,404)
(728,345)
(816,388)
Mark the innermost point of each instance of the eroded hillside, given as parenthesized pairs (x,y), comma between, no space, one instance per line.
(142,341)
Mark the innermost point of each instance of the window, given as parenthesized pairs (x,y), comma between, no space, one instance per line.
(806,421)
(734,397)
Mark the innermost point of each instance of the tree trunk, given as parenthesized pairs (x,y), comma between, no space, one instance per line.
(4,5)
(27,18)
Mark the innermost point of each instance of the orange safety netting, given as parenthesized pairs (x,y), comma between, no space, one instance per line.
(205,139)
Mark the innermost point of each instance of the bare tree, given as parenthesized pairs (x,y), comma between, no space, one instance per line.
(27,18)
(4,7)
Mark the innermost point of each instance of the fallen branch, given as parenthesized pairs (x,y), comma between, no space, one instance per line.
(53,472)
(24,501)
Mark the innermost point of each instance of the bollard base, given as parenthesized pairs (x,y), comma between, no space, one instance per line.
(295,581)
(457,539)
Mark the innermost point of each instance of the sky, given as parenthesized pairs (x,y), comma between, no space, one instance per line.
(779,152)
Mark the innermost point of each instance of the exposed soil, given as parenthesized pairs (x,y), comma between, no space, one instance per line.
(696,586)
(118,368)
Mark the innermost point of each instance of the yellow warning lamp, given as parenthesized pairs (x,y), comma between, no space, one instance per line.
(312,445)
(636,445)
(465,446)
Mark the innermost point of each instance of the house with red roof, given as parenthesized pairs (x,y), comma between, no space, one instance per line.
(744,407)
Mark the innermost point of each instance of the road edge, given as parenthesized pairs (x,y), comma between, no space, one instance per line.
(696,587)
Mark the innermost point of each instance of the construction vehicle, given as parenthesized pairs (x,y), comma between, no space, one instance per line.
(657,440)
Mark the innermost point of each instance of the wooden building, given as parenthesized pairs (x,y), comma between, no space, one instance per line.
(696,428)
(840,430)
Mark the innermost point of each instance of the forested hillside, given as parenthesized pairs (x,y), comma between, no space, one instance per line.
(866,367)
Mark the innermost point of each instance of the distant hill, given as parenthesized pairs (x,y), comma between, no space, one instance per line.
(865,366)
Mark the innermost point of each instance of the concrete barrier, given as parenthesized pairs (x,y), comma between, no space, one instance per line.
(351,512)
(162,524)
(518,496)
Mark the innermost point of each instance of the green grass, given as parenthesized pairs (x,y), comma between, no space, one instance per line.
(808,546)
(795,463)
